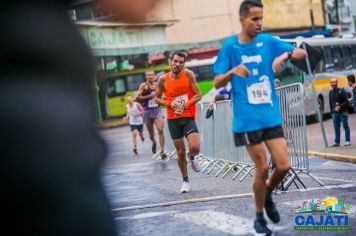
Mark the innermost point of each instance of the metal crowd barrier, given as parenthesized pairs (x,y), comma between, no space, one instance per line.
(218,151)
(291,101)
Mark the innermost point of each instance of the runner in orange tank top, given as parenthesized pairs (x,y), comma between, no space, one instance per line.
(179,89)
(182,92)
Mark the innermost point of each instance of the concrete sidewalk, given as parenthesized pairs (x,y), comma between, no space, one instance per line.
(111,123)
(317,147)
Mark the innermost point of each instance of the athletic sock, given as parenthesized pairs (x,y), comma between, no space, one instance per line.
(191,157)
(186,179)
(268,194)
(259,216)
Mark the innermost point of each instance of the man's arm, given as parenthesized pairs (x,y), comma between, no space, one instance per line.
(141,97)
(126,117)
(222,80)
(296,54)
(195,89)
(140,108)
(159,92)
(345,99)
(330,103)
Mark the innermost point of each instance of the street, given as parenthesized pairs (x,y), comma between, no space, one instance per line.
(145,198)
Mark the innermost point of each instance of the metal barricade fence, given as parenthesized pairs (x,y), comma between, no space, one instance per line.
(291,102)
(218,151)
(207,137)
(235,158)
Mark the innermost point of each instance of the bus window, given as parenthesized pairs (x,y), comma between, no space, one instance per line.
(329,60)
(337,58)
(116,87)
(321,66)
(289,74)
(203,73)
(347,57)
(196,72)
(206,72)
(134,81)
(353,50)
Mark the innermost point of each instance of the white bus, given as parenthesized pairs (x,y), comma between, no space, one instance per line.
(203,69)
(338,61)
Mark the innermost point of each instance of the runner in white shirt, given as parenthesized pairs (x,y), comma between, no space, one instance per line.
(135,117)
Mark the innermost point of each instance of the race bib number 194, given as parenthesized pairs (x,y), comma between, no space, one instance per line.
(259,93)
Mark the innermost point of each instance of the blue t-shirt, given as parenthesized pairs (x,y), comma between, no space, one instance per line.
(255,101)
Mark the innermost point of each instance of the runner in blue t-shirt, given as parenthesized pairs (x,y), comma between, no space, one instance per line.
(248,61)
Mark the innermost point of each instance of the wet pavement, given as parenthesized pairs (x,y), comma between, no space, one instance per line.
(145,198)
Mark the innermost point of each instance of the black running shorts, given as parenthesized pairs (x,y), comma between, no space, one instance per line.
(182,127)
(256,137)
(139,128)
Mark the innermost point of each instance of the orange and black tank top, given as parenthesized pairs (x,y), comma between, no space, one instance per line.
(179,90)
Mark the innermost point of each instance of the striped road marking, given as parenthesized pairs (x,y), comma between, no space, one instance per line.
(223,197)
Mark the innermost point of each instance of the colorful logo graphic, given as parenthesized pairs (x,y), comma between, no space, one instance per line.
(328,214)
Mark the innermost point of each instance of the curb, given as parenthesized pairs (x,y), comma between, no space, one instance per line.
(101,126)
(332,156)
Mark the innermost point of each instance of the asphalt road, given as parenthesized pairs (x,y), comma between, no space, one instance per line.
(145,198)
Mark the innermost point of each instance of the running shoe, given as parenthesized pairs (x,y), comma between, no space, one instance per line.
(195,165)
(271,209)
(154,148)
(163,155)
(347,143)
(185,187)
(261,227)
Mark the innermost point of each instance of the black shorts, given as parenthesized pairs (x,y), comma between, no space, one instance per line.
(182,127)
(139,128)
(256,137)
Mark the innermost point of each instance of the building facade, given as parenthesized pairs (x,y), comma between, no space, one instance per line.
(204,20)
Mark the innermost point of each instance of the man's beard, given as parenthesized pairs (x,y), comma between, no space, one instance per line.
(176,70)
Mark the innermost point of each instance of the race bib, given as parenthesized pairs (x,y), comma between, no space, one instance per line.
(151,103)
(259,93)
(181,99)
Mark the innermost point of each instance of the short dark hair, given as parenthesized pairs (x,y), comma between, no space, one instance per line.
(219,97)
(351,78)
(247,4)
(179,53)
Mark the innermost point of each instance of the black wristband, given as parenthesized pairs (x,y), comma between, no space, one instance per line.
(289,56)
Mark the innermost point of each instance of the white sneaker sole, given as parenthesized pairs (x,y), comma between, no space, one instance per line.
(194,169)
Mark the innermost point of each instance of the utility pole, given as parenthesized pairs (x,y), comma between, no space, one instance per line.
(337,11)
(311,14)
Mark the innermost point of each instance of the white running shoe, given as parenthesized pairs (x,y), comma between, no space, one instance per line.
(185,187)
(195,165)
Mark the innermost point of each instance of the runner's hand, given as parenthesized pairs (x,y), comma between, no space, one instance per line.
(241,71)
(278,63)
(175,105)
